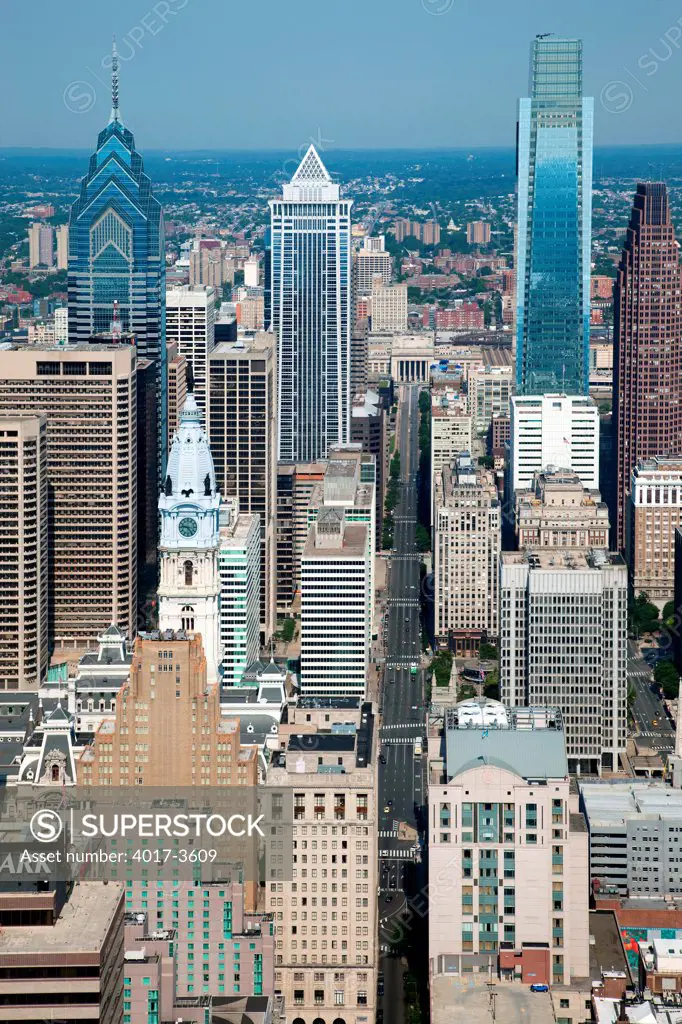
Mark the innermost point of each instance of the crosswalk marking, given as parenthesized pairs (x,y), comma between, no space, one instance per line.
(403,725)
(397,854)
(388,740)
(386,834)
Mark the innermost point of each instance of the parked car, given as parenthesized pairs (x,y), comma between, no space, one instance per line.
(539,988)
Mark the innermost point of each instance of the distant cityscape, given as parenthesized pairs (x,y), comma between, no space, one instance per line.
(342,501)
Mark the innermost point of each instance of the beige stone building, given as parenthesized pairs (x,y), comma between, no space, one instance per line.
(326,916)
(467,542)
(653,513)
(168,729)
(89,396)
(557,511)
(450,427)
(389,305)
(23,552)
(508,857)
(490,391)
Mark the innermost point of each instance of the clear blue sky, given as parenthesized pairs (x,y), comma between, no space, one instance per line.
(364,73)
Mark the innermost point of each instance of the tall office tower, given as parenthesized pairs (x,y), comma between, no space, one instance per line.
(500,815)
(336,606)
(332,773)
(177,389)
(62,233)
(554,223)
(189,505)
(358,355)
(23,552)
(647,332)
(147,478)
(478,233)
(370,260)
(62,959)
(489,390)
(348,482)
(252,272)
(467,543)
(389,306)
(242,426)
(284,537)
(653,514)
(40,245)
(450,427)
(239,567)
(117,261)
(61,325)
(563,641)
(368,429)
(558,431)
(558,512)
(207,263)
(190,323)
(311,312)
(89,395)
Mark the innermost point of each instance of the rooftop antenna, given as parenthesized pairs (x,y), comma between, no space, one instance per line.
(114,82)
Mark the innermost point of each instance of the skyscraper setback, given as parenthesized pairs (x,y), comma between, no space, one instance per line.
(554,160)
(310,266)
(647,342)
(117,253)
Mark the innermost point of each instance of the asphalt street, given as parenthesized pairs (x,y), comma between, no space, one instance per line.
(401,777)
(651,722)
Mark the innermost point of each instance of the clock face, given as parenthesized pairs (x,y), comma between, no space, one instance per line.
(187,527)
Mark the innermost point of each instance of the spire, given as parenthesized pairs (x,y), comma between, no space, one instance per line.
(311,170)
(114,82)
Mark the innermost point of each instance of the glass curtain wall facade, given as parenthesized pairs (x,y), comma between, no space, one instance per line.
(117,262)
(310,292)
(554,166)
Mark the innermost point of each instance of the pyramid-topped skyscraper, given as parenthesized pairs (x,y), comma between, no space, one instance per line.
(310,289)
(117,254)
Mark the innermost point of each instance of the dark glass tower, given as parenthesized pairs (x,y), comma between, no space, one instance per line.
(117,253)
(554,223)
(647,338)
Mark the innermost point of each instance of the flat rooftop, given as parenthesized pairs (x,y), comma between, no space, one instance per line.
(81,927)
(613,804)
(354,543)
(526,741)
(246,346)
(557,558)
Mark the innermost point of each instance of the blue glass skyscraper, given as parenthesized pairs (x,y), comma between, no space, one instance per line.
(117,253)
(554,165)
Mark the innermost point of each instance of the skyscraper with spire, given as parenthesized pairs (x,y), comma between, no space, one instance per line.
(116,252)
(554,166)
(310,290)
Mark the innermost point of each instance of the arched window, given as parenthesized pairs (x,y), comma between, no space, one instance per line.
(189,573)
(55,773)
(187,617)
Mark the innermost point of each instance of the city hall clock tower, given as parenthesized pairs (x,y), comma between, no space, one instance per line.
(189,504)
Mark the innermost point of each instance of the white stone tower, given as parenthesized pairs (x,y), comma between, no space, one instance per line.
(189,588)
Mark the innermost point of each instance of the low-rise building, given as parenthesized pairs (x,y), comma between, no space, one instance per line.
(634,830)
(62,960)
